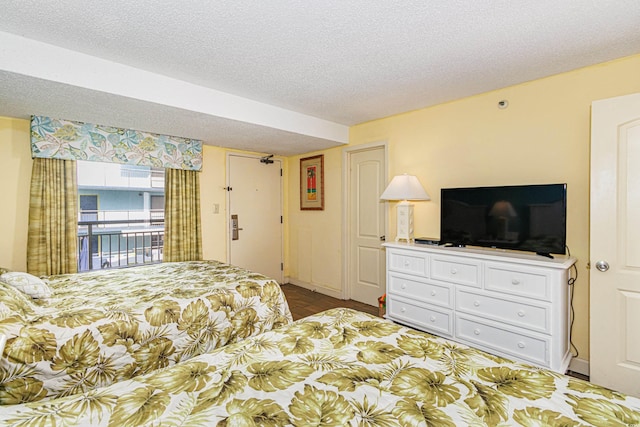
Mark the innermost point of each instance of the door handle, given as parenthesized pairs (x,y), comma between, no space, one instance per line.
(602,266)
(383,238)
(234,227)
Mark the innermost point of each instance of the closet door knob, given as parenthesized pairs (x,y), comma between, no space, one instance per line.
(602,266)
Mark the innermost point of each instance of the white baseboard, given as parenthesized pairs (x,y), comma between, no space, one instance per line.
(316,288)
(579,366)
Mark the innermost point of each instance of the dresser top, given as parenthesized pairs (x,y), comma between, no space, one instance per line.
(558,261)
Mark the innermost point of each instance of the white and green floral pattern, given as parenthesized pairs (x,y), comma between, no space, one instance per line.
(339,368)
(111,325)
(26,283)
(69,140)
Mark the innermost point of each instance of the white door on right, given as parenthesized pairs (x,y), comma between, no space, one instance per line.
(615,244)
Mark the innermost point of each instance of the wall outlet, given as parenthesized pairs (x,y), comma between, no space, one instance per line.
(216,208)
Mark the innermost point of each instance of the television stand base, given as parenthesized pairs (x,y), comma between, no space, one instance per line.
(545,254)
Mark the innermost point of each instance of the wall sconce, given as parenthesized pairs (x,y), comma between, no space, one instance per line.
(404,188)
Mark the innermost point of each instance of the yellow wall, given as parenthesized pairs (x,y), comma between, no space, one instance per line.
(15,176)
(542,137)
(315,237)
(212,182)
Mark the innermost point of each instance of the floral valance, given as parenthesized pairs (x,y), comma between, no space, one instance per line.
(69,140)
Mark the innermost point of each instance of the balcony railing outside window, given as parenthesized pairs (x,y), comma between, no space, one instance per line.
(112,239)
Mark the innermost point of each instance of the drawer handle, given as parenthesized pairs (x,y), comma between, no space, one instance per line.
(432,318)
(407,263)
(476,331)
(403,309)
(454,271)
(403,286)
(521,344)
(476,303)
(521,313)
(433,293)
(515,281)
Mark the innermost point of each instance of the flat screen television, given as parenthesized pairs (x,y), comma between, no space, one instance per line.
(520,217)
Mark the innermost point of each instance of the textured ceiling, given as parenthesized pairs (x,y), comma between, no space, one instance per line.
(344,62)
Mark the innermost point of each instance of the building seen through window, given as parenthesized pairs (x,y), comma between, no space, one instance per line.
(121,217)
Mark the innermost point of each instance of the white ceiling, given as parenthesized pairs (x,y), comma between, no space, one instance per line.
(287,76)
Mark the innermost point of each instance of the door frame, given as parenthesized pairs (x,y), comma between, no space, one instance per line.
(346,241)
(228,203)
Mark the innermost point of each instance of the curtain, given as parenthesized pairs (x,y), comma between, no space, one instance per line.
(182,228)
(69,140)
(52,239)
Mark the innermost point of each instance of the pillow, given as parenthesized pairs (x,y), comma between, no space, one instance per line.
(27,283)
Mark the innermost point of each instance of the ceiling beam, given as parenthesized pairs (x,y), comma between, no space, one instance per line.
(48,62)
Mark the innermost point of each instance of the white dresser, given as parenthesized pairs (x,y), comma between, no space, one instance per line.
(504,302)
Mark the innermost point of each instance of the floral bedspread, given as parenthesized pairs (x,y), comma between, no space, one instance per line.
(340,367)
(111,325)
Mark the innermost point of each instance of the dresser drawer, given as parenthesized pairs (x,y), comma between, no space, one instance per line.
(523,346)
(527,282)
(536,317)
(456,270)
(411,262)
(438,321)
(409,287)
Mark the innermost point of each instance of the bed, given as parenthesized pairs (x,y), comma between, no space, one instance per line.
(340,367)
(102,327)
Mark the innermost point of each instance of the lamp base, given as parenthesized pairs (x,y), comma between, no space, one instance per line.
(405,222)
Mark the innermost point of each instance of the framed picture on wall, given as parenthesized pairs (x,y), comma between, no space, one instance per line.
(312,183)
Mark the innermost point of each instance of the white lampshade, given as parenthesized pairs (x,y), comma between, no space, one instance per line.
(405,187)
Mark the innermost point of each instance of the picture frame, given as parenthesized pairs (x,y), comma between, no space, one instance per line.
(312,183)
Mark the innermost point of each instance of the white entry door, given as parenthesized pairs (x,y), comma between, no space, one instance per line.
(255,203)
(615,244)
(366,225)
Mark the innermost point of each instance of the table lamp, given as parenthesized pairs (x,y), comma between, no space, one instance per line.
(404,188)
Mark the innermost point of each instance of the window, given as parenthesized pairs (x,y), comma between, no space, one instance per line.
(121,218)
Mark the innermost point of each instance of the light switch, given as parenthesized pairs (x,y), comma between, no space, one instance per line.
(216,208)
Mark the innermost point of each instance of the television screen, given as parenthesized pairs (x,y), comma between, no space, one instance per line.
(521,217)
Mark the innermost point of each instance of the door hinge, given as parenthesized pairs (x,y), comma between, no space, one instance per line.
(282,266)
(228,188)
(280,172)
(280,219)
